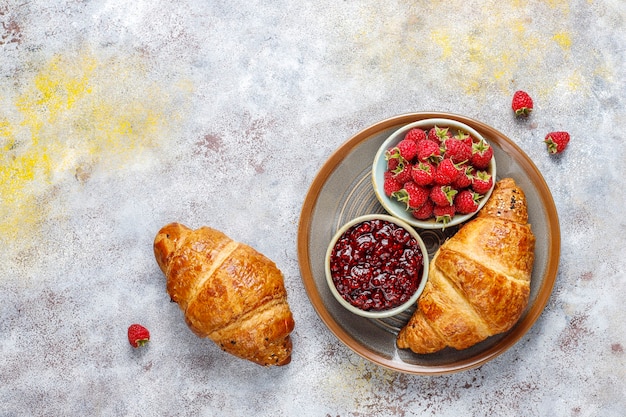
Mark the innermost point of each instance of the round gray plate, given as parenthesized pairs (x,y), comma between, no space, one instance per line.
(342,190)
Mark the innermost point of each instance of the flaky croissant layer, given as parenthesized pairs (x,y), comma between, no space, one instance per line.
(228,292)
(479,279)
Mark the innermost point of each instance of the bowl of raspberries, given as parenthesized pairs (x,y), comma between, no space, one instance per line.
(434,173)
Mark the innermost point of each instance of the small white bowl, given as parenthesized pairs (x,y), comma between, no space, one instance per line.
(380,313)
(398,209)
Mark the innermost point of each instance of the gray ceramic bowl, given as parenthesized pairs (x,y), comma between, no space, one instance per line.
(383,313)
(398,209)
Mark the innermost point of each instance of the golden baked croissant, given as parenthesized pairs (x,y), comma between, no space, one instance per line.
(228,292)
(479,279)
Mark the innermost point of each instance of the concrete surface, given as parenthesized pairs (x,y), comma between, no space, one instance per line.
(119,116)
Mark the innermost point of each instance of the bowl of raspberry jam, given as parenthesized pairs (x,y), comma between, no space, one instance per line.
(376,266)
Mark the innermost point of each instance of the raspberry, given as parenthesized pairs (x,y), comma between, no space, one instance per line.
(522,104)
(423,173)
(444,214)
(402,173)
(425,212)
(138,335)
(415,134)
(556,141)
(390,185)
(481,155)
(407,149)
(427,149)
(412,195)
(465,138)
(465,179)
(437,134)
(446,172)
(482,182)
(466,202)
(457,150)
(443,195)
(392,164)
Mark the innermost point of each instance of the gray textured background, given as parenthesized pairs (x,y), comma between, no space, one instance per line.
(118,116)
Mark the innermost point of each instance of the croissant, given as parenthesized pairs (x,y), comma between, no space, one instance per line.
(228,292)
(479,279)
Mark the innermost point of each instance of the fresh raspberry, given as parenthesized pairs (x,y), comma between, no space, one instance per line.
(557,141)
(522,104)
(443,195)
(437,134)
(465,138)
(406,148)
(457,150)
(428,150)
(481,154)
(423,173)
(425,212)
(412,195)
(416,134)
(138,335)
(444,214)
(402,173)
(482,182)
(466,202)
(465,179)
(446,172)
(392,163)
(390,184)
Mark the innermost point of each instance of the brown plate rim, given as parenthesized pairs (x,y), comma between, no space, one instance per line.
(517,332)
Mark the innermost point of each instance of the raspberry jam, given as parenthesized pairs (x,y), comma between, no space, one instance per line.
(376,265)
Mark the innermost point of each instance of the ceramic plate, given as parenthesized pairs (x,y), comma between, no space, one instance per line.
(342,190)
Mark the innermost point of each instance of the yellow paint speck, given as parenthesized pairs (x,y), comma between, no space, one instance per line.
(563,39)
(478,51)
(75,111)
(442,39)
(576,82)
